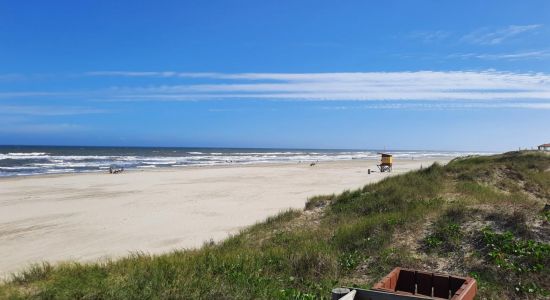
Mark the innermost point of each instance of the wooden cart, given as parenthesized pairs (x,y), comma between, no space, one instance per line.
(407,284)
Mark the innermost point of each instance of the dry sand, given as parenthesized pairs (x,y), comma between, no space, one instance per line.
(86,217)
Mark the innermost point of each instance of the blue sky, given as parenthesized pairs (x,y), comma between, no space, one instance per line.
(461,75)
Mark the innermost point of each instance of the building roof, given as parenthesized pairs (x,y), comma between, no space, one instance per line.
(545,145)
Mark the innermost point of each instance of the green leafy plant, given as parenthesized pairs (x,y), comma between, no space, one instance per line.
(510,253)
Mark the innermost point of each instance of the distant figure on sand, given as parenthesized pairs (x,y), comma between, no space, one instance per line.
(115,171)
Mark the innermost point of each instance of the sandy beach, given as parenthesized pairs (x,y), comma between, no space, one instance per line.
(86,217)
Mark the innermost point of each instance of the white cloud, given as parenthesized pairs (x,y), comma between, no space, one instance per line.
(441,106)
(487,36)
(539,54)
(450,86)
(422,85)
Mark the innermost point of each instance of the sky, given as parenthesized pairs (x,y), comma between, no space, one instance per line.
(424,75)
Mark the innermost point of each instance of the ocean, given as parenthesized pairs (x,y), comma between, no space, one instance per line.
(34,160)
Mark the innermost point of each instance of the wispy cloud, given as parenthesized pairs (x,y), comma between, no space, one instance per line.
(430,36)
(488,36)
(440,106)
(4,95)
(537,55)
(33,110)
(226,109)
(422,85)
(450,86)
(151,74)
(11,77)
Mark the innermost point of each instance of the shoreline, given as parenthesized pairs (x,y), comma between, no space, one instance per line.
(234,165)
(87,217)
(173,168)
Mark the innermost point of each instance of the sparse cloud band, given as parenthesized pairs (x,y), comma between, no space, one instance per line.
(364,86)
(488,36)
(498,88)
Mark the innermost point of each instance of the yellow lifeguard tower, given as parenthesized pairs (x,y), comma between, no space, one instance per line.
(386,162)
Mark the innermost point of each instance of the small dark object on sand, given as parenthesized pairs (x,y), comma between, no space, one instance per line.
(115,171)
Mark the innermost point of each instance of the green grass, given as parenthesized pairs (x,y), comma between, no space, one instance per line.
(446,234)
(412,220)
(546,215)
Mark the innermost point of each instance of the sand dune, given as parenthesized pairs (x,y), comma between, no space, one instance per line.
(86,217)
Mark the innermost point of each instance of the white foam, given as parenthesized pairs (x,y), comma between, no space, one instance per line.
(22,156)
(27,153)
(53,171)
(160,162)
(19,168)
(95,163)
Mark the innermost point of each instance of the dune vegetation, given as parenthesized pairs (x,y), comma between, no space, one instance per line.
(483,217)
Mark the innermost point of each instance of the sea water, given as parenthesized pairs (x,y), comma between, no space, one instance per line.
(32,160)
